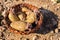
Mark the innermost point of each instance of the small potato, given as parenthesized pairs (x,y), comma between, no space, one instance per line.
(31,17)
(19,25)
(13,17)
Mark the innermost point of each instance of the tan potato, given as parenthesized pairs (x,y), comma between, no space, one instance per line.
(19,25)
(13,17)
(31,17)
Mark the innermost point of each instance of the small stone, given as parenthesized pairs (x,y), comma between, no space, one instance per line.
(45,6)
(0,34)
(4,13)
(58,38)
(51,32)
(58,26)
(0,39)
(12,39)
(24,39)
(35,37)
(56,30)
(54,1)
(1,8)
(59,21)
(51,38)
(2,28)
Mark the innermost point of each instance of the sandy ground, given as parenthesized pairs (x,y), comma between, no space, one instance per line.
(46,4)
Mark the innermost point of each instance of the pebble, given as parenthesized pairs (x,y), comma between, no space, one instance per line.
(56,30)
(0,34)
(35,37)
(54,1)
(58,38)
(2,28)
(23,39)
(51,32)
(0,39)
(58,26)
(1,8)
(51,38)
(45,6)
(4,13)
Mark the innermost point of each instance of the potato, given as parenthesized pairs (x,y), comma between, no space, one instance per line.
(19,25)
(12,17)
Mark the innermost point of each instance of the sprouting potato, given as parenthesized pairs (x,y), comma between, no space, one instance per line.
(12,17)
(31,17)
(19,25)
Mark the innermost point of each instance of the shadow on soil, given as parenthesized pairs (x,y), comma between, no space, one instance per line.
(50,21)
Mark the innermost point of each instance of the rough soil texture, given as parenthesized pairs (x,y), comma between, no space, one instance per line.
(46,4)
